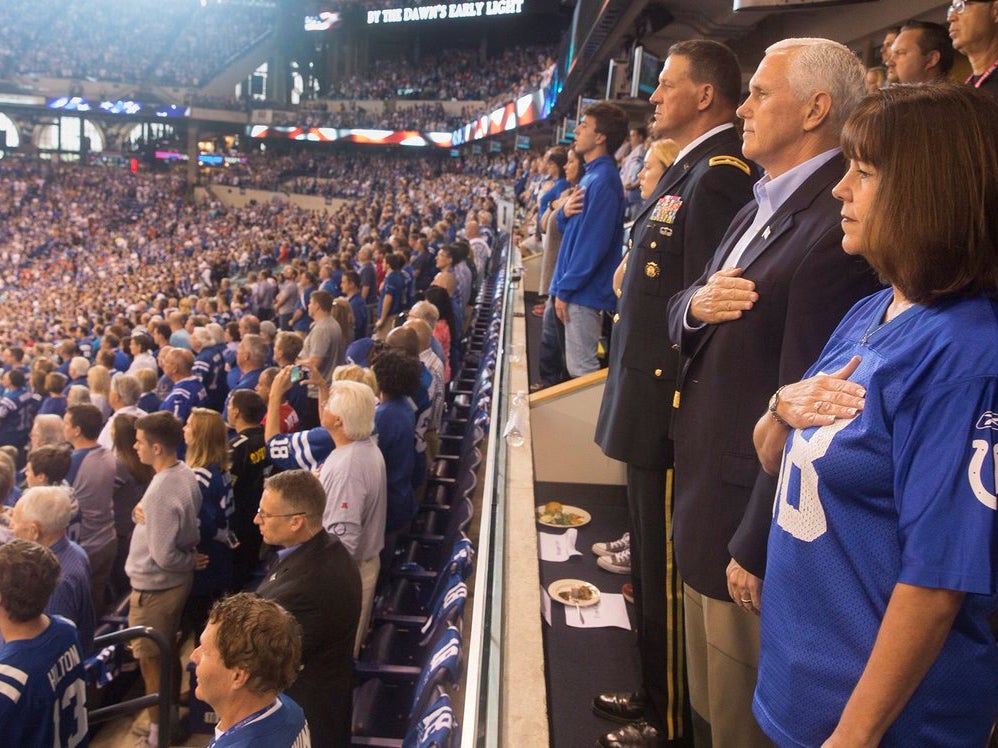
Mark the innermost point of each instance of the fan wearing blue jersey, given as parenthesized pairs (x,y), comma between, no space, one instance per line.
(42,691)
(881,571)
(249,653)
(187,392)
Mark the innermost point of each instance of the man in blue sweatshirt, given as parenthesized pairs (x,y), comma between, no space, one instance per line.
(591,223)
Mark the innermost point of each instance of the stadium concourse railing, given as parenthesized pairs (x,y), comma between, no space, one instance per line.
(505,694)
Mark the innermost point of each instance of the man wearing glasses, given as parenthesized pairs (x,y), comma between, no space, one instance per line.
(973,27)
(317,581)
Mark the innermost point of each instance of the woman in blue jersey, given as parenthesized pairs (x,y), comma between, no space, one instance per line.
(882,565)
(208,456)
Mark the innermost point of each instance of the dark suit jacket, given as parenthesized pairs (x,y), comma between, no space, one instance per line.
(319,584)
(667,253)
(805,283)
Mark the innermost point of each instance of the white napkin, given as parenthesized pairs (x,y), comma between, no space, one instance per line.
(558,547)
(546,605)
(611,610)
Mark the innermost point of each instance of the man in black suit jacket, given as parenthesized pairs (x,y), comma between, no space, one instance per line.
(757,318)
(317,581)
(674,236)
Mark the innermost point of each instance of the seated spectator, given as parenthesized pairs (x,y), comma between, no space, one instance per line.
(91,474)
(160,563)
(249,654)
(42,688)
(317,581)
(42,515)
(355,483)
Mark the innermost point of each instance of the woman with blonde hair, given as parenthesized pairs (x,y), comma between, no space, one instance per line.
(99,384)
(208,456)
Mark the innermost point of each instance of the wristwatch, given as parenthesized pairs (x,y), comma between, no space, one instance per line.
(774,403)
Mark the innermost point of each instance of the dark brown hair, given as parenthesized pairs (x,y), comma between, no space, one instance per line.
(162,428)
(714,63)
(28,575)
(611,122)
(932,229)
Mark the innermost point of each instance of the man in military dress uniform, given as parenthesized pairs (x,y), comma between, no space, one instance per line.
(674,237)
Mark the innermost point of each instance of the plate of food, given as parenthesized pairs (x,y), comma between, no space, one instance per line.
(556,514)
(574,592)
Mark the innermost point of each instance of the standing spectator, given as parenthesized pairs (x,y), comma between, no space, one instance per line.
(187,392)
(91,474)
(208,456)
(123,397)
(160,563)
(758,316)
(55,398)
(592,236)
(392,298)
(694,201)
(42,515)
(973,27)
(322,350)
(43,692)
(633,161)
(251,358)
(141,346)
(922,53)
(286,299)
(353,477)
(209,367)
(249,654)
(18,406)
(250,465)
(317,582)
(131,479)
(99,384)
(351,288)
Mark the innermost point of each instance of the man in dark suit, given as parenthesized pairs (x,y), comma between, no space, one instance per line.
(757,318)
(317,581)
(674,236)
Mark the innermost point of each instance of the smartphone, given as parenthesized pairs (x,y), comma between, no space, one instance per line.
(298,373)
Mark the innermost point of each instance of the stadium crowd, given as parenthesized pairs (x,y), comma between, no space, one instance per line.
(148,347)
(459,75)
(181,43)
(429,117)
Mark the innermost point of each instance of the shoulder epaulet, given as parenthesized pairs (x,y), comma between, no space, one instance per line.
(730,161)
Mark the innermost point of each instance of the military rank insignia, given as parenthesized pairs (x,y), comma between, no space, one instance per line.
(666,208)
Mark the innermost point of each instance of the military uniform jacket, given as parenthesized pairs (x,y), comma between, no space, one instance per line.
(673,238)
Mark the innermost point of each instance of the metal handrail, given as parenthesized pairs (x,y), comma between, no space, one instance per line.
(161,699)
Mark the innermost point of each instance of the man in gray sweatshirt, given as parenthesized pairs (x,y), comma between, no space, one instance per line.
(160,563)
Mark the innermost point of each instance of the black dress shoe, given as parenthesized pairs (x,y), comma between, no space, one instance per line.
(635,735)
(619,707)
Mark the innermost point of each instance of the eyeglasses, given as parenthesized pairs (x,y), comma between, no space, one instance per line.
(267,515)
(958,6)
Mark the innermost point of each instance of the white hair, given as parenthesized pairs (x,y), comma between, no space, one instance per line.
(425,311)
(78,367)
(823,65)
(354,402)
(127,388)
(217,332)
(203,336)
(49,506)
(50,430)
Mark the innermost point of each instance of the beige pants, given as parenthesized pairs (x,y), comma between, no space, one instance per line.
(722,659)
(369,569)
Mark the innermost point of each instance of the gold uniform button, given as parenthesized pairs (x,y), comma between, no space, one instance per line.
(654,244)
(616,318)
(630,243)
(658,372)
